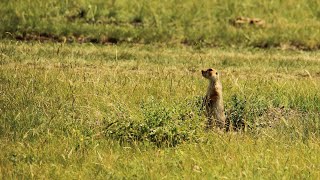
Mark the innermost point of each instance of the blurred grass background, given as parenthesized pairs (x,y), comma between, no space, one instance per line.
(288,24)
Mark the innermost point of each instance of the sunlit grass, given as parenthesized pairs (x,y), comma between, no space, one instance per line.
(132,111)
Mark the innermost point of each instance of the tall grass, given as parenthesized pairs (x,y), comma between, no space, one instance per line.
(90,111)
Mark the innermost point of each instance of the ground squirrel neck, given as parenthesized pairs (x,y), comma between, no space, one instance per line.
(214,90)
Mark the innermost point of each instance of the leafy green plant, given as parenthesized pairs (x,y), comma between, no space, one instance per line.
(236,115)
(160,125)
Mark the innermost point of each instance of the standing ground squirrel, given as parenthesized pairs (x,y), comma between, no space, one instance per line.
(213,99)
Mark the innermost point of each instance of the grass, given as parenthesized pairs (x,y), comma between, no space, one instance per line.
(289,24)
(133,111)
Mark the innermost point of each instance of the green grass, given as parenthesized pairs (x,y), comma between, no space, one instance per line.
(289,24)
(133,111)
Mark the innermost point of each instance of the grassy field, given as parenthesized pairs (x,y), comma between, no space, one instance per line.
(91,89)
(133,111)
(292,24)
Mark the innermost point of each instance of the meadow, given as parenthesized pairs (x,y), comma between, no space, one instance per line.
(91,89)
(132,111)
(291,24)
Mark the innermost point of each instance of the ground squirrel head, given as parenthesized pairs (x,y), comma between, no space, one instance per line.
(210,74)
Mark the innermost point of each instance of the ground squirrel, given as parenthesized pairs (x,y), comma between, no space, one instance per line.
(213,100)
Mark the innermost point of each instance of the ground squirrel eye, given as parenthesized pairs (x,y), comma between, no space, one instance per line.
(210,69)
(216,73)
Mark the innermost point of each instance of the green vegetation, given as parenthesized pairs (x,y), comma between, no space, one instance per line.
(133,111)
(288,24)
(91,89)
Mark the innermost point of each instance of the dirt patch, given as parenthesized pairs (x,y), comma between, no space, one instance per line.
(45,37)
(103,39)
(276,115)
(243,21)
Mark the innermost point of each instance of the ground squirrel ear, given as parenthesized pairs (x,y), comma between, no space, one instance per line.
(216,73)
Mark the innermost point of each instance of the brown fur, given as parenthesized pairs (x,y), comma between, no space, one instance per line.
(240,21)
(213,100)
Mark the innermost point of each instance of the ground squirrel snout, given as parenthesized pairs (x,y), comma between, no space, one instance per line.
(213,101)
